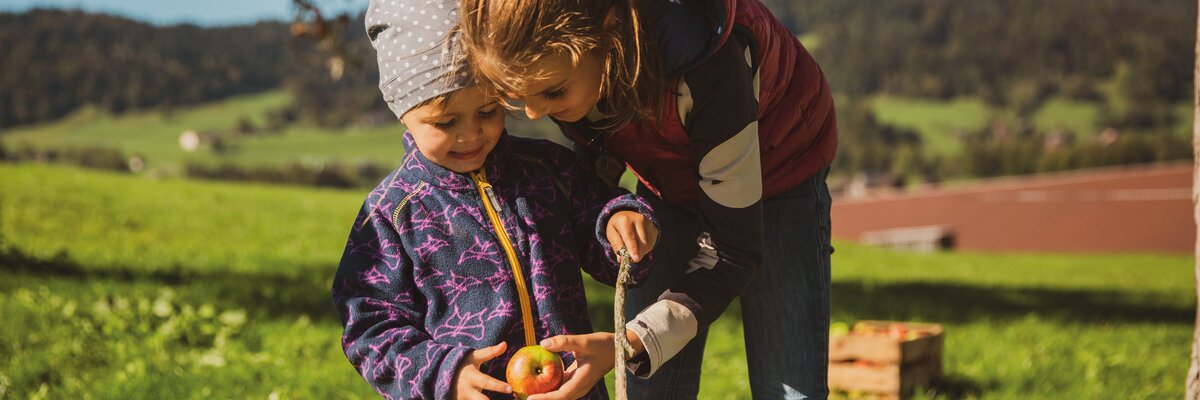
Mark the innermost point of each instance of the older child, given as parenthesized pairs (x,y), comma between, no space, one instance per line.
(471,249)
(725,118)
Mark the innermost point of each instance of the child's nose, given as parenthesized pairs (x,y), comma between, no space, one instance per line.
(469,134)
(533,113)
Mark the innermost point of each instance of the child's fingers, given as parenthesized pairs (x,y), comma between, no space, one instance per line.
(572,388)
(649,234)
(614,238)
(486,382)
(629,236)
(553,343)
(643,239)
(563,343)
(487,353)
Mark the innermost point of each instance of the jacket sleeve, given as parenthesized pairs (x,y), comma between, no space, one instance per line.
(719,107)
(376,298)
(593,202)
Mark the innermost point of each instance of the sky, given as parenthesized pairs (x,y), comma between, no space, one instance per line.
(200,12)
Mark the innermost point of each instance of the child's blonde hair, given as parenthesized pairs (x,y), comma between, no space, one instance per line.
(504,38)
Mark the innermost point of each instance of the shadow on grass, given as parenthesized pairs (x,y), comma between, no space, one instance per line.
(281,294)
(962,303)
(954,386)
(959,303)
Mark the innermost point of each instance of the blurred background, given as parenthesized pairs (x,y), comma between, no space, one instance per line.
(179,178)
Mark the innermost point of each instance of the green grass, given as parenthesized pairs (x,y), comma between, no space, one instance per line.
(938,122)
(115,286)
(155,135)
(1079,117)
(1185,113)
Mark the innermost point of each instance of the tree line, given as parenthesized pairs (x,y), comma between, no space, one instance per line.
(1132,55)
(1132,58)
(57,60)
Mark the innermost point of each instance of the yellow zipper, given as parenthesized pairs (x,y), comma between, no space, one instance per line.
(489,197)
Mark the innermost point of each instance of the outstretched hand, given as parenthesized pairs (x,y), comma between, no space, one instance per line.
(633,231)
(593,359)
(470,382)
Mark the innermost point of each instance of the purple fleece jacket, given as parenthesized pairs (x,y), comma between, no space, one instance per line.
(425,278)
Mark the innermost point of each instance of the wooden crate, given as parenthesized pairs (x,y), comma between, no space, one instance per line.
(870,359)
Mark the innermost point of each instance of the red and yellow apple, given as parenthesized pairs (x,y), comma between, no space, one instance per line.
(897,330)
(533,370)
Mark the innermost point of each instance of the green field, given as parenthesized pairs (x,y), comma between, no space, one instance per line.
(117,286)
(155,135)
(939,121)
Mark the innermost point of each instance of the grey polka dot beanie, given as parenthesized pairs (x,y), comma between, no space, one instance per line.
(419,59)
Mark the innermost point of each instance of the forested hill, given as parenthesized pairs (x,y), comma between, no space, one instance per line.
(55,61)
(1011,52)
(1133,56)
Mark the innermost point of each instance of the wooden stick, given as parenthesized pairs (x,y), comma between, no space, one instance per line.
(621,342)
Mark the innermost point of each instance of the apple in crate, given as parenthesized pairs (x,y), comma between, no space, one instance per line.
(533,370)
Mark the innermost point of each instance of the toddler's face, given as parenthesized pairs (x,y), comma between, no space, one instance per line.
(563,91)
(459,135)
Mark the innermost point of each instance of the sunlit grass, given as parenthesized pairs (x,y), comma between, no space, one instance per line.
(938,122)
(117,286)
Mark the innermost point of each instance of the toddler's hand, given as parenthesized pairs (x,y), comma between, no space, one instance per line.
(631,230)
(470,382)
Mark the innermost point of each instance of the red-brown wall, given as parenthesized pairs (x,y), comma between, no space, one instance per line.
(1128,209)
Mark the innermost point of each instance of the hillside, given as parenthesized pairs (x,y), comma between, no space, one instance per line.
(58,61)
(925,91)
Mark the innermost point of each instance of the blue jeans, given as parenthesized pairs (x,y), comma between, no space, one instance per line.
(785,310)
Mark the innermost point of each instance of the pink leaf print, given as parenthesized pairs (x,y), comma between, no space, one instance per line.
(482,251)
(498,279)
(541,293)
(414,165)
(449,181)
(430,354)
(405,300)
(503,309)
(433,221)
(457,285)
(459,324)
(429,246)
(402,365)
(373,277)
(393,262)
(556,255)
(380,348)
(425,272)
(545,321)
(474,212)
(367,248)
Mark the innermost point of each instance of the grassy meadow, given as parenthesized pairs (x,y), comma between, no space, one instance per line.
(120,286)
(155,135)
(939,122)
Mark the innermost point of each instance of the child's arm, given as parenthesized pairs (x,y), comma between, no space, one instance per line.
(605,219)
(382,314)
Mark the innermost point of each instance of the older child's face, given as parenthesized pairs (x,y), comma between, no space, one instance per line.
(564,91)
(460,135)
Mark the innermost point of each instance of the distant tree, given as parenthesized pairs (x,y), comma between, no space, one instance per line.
(57,61)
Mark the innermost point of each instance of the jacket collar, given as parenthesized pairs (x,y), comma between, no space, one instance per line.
(416,167)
